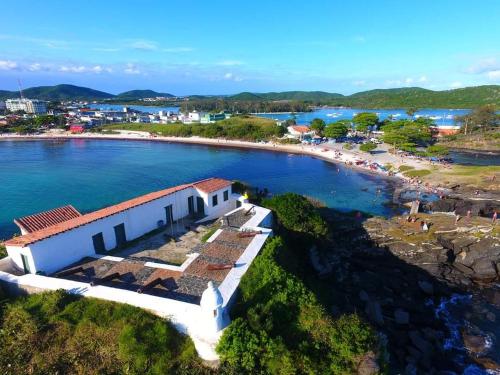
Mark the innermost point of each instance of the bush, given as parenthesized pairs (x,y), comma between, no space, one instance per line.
(289,141)
(296,214)
(282,329)
(56,332)
(347,146)
(417,173)
(3,251)
(368,147)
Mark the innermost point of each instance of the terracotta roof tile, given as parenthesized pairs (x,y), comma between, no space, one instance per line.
(46,219)
(212,184)
(301,128)
(207,186)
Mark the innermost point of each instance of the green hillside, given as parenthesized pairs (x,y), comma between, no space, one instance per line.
(58,92)
(309,96)
(468,97)
(140,94)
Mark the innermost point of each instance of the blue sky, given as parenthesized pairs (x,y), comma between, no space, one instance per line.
(223,47)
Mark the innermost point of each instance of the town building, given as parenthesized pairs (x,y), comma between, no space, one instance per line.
(300,132)
(27,105)
(210,118)
(108,254)
(444,130)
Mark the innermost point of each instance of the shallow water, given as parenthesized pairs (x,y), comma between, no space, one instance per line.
(90,174)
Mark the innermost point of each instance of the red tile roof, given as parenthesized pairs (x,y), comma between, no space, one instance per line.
(46,219)
(301,128)
(212,184)
(209,185)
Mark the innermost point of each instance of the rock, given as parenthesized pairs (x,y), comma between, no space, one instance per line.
(474,343)
(484,270)
(368,365)
(401,316)
(422,344)
(426,287)
(363,296)
(410,369)
(491,316)
(488,364)
(374,312)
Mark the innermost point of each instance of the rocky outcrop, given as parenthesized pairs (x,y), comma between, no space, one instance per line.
(478,207)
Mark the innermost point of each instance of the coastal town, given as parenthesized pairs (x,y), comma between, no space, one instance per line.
(250,188)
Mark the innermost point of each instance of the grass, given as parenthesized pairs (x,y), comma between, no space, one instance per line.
(417,173)
(209,233)
(477,177)
(405,168)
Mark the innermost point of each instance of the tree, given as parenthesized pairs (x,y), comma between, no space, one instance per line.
(368,147)
(411,111)
(336,130)
(318,125)
(365,121)
(437,150)
(481,118)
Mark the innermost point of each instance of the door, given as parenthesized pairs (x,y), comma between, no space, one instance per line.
(169,215)
(98,241)
(200,205)
(121,238)
(26,264)
(191,205)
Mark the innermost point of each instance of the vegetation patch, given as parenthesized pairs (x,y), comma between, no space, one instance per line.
(404,168)
(417,173)
(209,233)
(59,333)
(3,251)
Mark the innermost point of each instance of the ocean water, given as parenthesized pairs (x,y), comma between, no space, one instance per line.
(91,174)
(441,116)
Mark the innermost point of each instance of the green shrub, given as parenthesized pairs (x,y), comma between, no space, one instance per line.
(280,327)
(417,173)
(56,332)
(3,251)
(347,146)
(296,214)
(368,147)
(209,233)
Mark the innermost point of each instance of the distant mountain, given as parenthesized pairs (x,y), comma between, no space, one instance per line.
(58,92)
(310,96)
(141,94)
(467,97)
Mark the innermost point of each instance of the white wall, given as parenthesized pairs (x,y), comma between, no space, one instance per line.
(61,250)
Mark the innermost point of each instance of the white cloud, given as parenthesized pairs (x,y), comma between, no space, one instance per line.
(232,77)
(359,83)
(144,45)
(456,84)
(359,39)
(102,49)
(35,67)
(409,81)
(230,63)
(73,69)
(494,74)
(131,69)
(8,65)
(178,49)
(484,66)
(423,79)
(228,76)
(97,69)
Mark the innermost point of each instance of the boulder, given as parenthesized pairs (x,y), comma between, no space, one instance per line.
(474,343)
(368,365)
(401,316)
(374,312)
(424,346)
(484,270)
(426,287)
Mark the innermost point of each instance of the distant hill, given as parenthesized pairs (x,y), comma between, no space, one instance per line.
(309,96)
(58,92)
(141,94)
(467,97)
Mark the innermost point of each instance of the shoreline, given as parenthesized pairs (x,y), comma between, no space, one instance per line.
(331,153)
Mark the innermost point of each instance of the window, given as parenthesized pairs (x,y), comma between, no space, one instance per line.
(226,195)
(121,238)
(214,200)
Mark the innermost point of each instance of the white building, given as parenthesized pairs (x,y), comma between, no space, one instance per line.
(300,131)
(27,105)
(63,249)
(2,105)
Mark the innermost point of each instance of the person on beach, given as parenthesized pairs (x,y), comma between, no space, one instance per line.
(457,217)
(468,216)
(494,218)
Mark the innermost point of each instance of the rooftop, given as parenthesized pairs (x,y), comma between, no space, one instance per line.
(208,185)
(46,219)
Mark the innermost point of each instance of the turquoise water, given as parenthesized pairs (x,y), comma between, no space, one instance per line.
(90,174)
(441,116)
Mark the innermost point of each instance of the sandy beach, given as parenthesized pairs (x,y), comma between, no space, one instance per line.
(328,151)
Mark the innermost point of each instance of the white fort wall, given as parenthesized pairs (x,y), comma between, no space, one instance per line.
(56,252)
